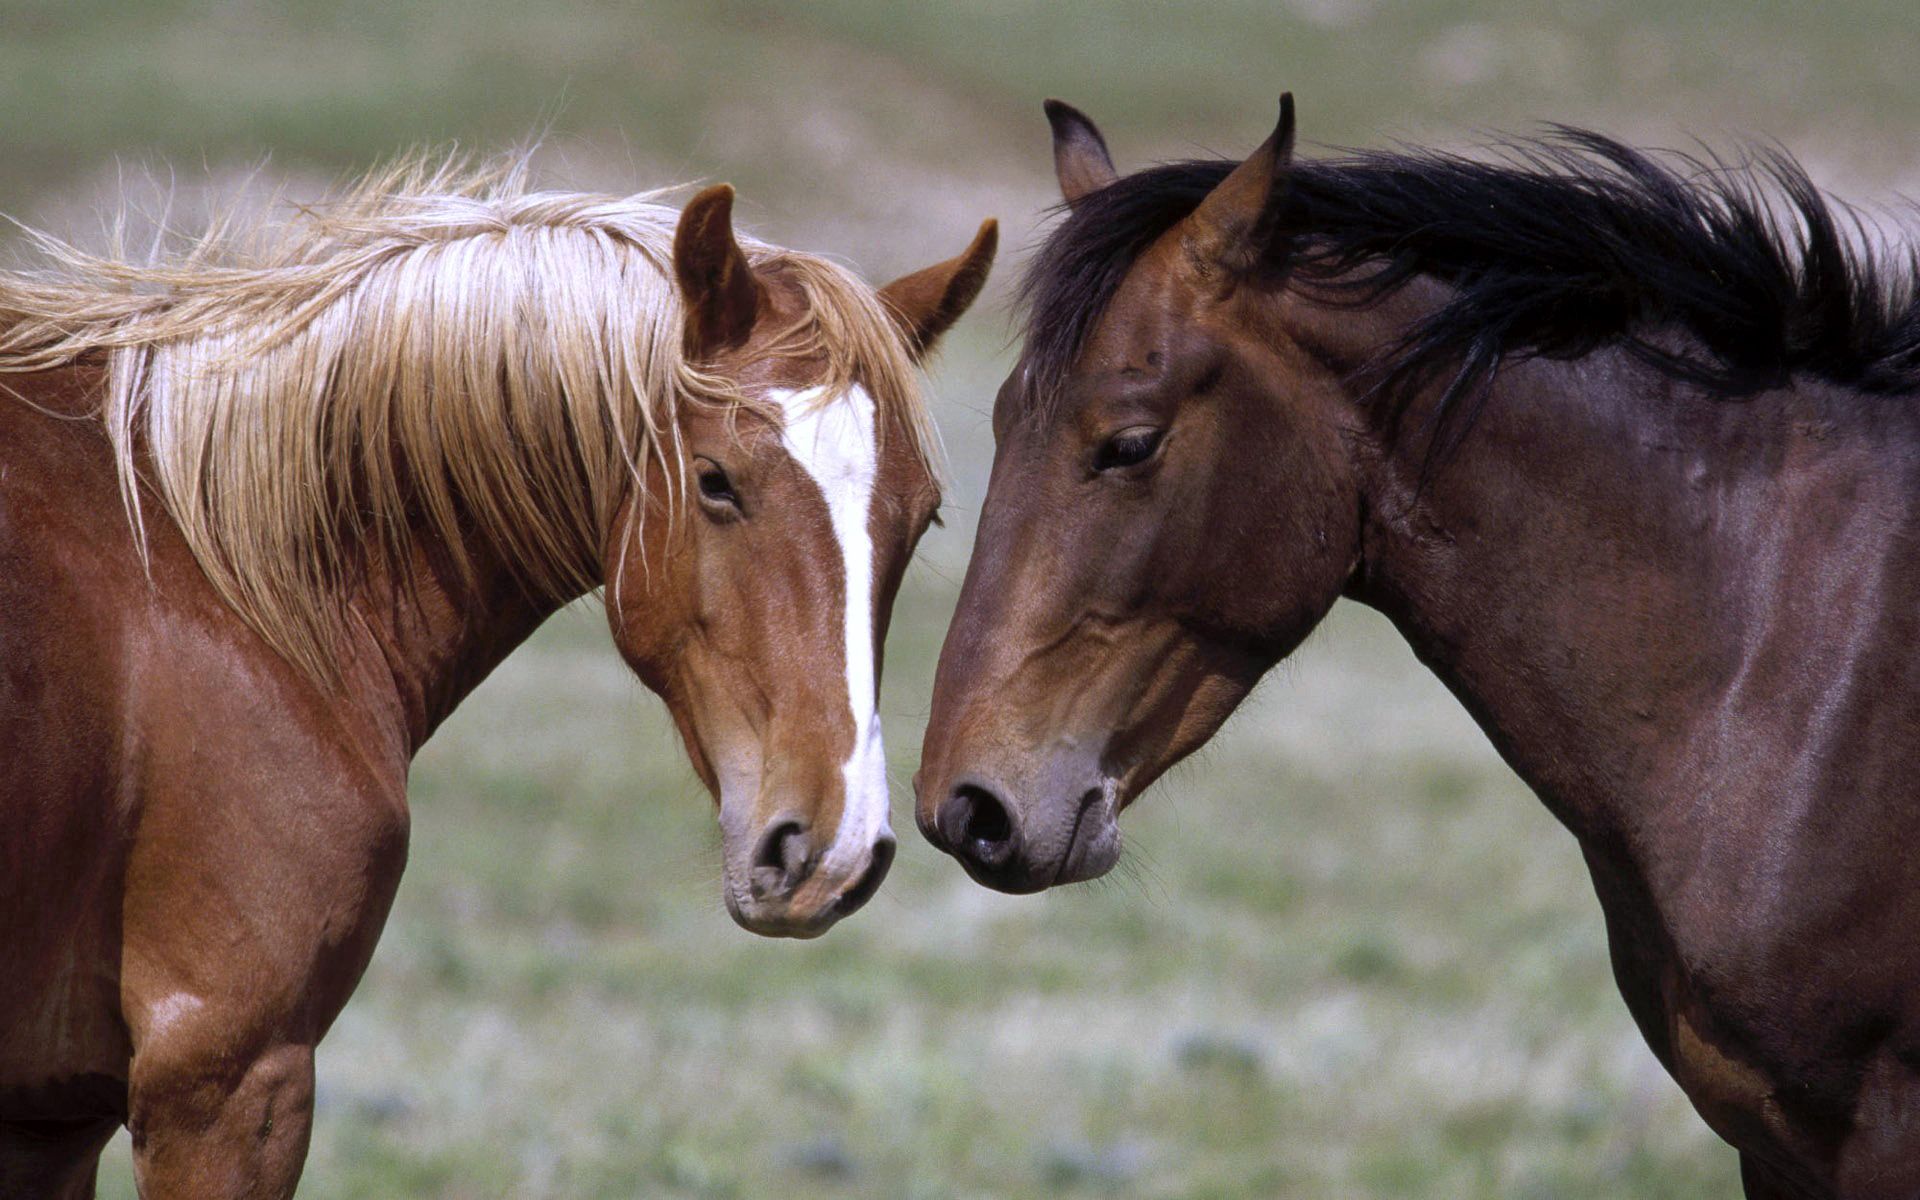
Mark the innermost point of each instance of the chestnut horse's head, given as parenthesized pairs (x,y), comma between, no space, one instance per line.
(750,584)
(1170,511)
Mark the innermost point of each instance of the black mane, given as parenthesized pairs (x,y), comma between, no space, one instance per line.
(1566,244)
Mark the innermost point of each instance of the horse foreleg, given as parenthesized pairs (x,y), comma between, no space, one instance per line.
(208,1123)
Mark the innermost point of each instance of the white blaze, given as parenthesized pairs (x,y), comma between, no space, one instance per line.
(834,440)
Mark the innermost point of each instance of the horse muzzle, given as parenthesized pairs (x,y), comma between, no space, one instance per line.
(784,886)
(1026,840)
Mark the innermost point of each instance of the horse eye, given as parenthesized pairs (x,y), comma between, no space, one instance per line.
(715,487)
(1127,448)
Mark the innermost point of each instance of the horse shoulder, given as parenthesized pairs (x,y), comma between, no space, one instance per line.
(176,801)
(274,823)
(65,823)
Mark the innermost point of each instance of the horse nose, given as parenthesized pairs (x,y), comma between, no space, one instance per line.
(978,829)
(782,860)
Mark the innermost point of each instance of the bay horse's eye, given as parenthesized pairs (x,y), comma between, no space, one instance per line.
(716,490)
(1127,448)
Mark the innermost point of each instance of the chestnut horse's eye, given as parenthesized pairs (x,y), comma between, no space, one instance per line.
(1127,448)
(716,490)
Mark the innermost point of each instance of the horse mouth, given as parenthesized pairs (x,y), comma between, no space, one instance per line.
(863,889)
(1092,846)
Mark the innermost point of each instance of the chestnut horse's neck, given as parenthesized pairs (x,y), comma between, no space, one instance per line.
(438,636)
(433,636)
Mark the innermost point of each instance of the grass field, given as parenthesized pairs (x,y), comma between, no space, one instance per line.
(1348,955)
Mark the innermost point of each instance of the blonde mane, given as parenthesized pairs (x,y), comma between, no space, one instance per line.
(440,349)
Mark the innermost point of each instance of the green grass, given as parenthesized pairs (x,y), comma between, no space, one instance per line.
(1347,954)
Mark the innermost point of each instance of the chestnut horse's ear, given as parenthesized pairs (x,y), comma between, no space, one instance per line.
(716,282)
(1080,155)
(928,302)
(1230,230)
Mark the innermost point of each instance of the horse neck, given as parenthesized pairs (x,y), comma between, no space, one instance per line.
(1587,571)
(439,634)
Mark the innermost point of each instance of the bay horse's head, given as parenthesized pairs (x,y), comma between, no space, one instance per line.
(750,583)
(1170,511)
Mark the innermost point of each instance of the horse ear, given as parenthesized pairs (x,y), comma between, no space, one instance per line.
(1230,230)
(1080,155)
(928,302)
(716,282)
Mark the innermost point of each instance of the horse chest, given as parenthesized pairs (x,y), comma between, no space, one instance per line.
(1732,1095)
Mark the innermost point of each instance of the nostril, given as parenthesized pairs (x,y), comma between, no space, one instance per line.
(983,826)
(780,860)
(987,819)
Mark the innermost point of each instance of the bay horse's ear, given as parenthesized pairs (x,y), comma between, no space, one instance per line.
(1230,230)
(716,282)
(928,302)
(1080,155)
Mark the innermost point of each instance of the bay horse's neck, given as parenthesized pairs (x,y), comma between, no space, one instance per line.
(1544,572)
(1614,572)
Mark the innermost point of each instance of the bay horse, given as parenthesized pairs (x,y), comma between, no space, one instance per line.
(1627,446)
(269,510)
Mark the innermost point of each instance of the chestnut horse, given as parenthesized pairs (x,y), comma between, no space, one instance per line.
(1627,447)
(270,511)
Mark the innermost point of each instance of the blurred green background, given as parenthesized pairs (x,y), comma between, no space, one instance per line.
(1348,955)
